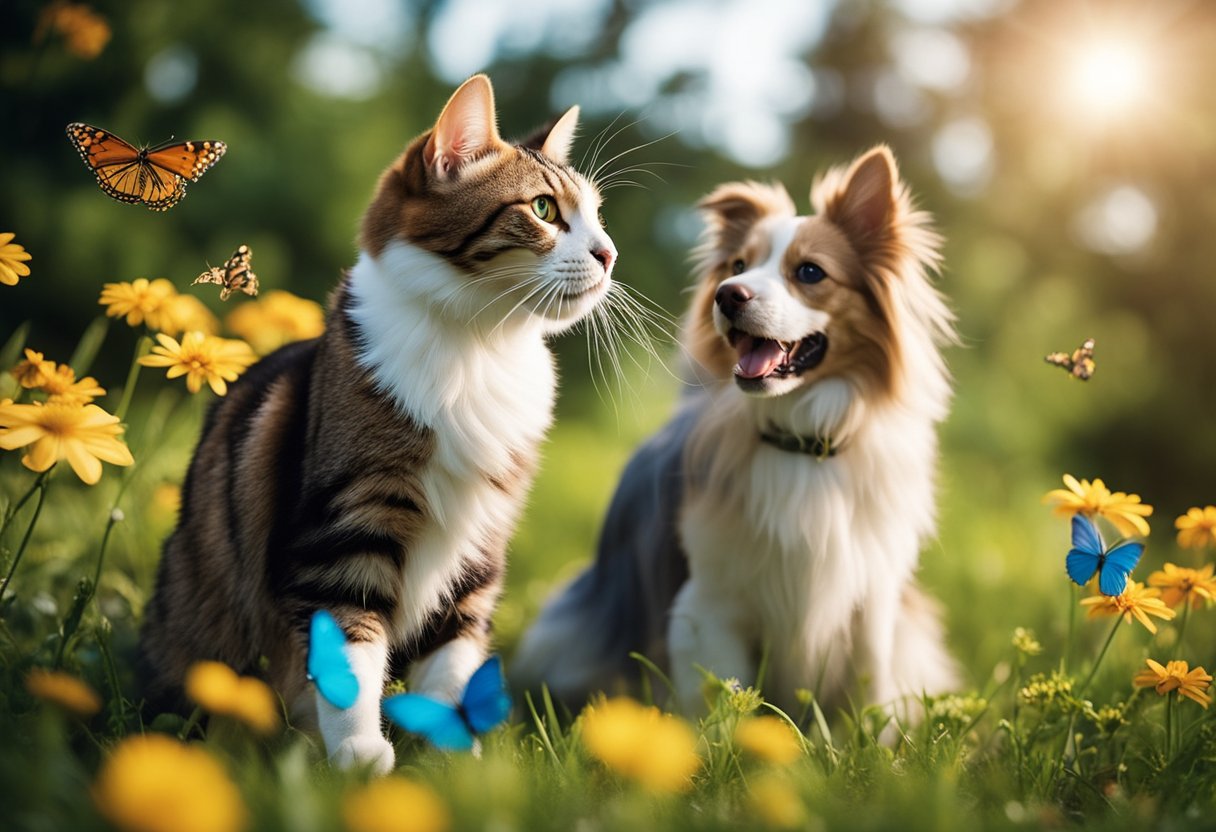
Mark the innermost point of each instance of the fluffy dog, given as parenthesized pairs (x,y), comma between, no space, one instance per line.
(775,522)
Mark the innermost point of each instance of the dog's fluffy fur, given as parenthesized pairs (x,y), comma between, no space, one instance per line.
(719,547)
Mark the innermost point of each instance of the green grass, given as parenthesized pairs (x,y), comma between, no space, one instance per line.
(999,755)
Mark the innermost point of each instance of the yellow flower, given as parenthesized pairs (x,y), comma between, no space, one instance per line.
(64,388)
(656,749)
(152,783)
(394,804)
(83,435)
(1025,642)
(201,358)
(217,688)
(768,738)
(1125,511)
(1192,684)
(12,260)
(65,691)
(1136,601)
(776,802)
(1180,583)
(276,319)
(140,301)
(1197,528)
(85,33)
(32,372)
(186,313)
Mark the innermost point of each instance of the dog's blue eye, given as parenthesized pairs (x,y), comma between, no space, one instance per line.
(809,273)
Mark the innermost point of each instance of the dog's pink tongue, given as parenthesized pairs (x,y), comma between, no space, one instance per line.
(757,356)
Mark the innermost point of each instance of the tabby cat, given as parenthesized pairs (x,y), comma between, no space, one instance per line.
(378,471)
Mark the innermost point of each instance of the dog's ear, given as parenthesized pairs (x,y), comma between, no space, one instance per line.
(732,209)
(865,204)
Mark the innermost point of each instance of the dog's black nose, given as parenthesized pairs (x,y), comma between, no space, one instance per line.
(730,299)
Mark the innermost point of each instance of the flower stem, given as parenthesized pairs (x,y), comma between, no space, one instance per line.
(17,506)
(141,349)
(1066,659)
(1098,661)
(1186,614)
(40,486)
(1169,724)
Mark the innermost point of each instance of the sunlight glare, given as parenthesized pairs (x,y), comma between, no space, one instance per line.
(1109,77)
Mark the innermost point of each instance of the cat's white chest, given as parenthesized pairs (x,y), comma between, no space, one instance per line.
(486,402)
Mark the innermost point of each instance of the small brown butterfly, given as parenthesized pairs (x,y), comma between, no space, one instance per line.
(1080,364)
(233,276)
(155,176)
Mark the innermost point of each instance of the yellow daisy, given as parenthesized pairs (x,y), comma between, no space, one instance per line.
(32,372)
(201,358)
(768,738)
(140,301)
(1092,499)
(1136,600)
(62,386)
(1180,583)
(186,313)
(12,260)
(775,801)
(85,33)
(657,750)
(1197,528)
(218,688)
(66,691)
(83,435)
(276,319)
(394,804)
(152,783)
(1192,684)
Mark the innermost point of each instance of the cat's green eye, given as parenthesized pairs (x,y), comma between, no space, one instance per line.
(545,208)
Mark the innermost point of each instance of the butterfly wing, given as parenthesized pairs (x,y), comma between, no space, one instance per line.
(189,160)
(1082,360)
(1060,359)
(1087,550)
(1117,565)
(440,723)
(328,664)
(239,277)
(486,702)
(1081,566)
(213,275)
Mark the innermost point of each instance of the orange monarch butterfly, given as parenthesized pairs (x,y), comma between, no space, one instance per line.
(1080,364)
(155,176)
(234,276)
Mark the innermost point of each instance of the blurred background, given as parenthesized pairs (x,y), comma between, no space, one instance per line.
(1066,149)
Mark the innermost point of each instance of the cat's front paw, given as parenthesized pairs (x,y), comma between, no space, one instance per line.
(371,750)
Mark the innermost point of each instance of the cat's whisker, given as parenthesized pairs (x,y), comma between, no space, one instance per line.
(602,145)
(627,151)
(598,142)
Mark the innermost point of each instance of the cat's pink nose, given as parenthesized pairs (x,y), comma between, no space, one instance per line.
(605,255)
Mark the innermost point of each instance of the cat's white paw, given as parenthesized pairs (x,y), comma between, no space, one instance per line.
(368,750)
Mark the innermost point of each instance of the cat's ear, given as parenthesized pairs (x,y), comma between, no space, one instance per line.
(466,128)
(866,204)
(561,138)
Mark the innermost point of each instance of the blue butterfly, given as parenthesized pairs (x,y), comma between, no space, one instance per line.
(1089,555)
(328,664)
(484,705)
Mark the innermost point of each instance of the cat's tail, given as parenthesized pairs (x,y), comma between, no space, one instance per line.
(582,641)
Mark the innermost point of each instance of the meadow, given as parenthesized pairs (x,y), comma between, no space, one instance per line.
(1076,710)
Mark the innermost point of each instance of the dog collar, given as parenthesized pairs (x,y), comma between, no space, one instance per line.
(820,447)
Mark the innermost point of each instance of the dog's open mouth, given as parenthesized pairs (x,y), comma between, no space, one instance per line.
(768,357)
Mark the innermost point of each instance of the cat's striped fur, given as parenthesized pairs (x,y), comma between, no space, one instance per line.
(378,470)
